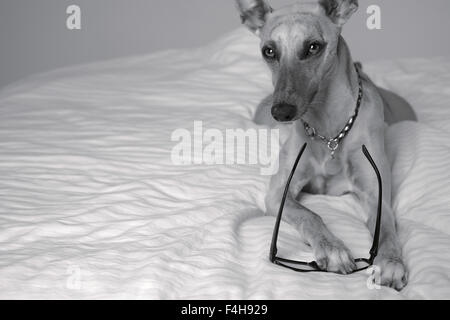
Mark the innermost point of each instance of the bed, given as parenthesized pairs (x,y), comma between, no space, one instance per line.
(92,207)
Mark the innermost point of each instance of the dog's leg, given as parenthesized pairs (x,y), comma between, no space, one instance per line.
(330,252)
(389,258)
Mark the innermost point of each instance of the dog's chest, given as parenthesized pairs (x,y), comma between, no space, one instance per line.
(328,176)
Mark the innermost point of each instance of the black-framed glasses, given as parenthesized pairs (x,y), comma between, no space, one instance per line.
(301,266)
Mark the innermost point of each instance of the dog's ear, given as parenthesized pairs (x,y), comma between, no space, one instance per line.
(253,13)
(339,11)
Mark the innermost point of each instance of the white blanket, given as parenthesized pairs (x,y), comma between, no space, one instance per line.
(91,205)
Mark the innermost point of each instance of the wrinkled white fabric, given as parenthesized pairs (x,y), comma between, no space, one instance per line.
(91,205)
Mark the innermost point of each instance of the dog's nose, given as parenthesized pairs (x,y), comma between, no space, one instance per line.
(284,112)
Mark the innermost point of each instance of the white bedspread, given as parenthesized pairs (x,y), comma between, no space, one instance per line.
(91,205)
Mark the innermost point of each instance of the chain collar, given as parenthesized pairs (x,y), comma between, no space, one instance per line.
(334,143)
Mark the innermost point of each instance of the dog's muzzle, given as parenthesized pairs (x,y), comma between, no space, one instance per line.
(284,112)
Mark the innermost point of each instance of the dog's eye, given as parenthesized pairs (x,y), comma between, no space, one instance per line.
(314,48)
(269,53)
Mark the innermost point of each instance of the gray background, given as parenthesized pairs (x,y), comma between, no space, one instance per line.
(34,37)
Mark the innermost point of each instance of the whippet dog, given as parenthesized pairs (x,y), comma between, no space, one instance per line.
(317,87)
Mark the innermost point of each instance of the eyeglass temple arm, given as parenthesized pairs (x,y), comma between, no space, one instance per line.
(376,235)
(374,250)
(273,246)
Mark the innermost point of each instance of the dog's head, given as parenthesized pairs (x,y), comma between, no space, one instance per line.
(300,45)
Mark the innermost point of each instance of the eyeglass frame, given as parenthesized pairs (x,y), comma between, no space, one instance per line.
(313,264)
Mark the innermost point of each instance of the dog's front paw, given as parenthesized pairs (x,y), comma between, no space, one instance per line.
(392,271)
(332,255)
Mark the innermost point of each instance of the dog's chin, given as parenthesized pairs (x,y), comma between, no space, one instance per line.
(297,118)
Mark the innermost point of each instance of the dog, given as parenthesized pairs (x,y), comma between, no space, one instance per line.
(316,88)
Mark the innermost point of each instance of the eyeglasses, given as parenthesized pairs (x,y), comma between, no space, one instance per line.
(300,266)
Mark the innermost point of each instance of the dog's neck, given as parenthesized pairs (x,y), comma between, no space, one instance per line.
(338,96)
